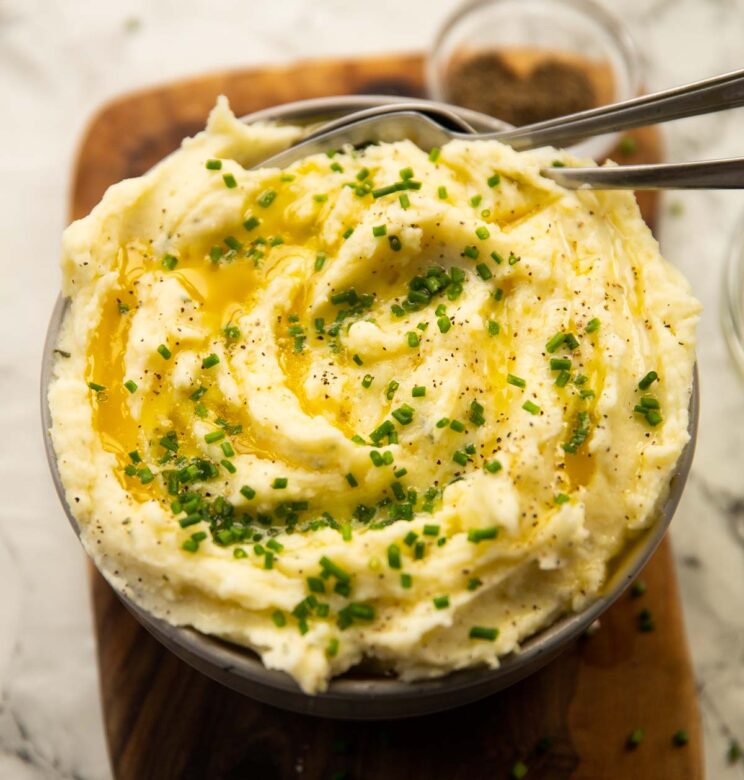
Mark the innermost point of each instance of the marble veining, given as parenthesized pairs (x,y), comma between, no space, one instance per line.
(59,60)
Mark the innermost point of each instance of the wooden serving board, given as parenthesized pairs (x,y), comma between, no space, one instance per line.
(164,720)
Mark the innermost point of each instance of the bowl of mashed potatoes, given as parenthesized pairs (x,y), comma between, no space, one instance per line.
(375,434)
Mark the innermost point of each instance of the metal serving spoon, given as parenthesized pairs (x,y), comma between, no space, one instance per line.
(429,125)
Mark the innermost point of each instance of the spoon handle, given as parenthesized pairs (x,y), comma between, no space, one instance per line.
(701,97)
(704,175)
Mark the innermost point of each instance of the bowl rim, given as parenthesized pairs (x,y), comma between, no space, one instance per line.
(376,696)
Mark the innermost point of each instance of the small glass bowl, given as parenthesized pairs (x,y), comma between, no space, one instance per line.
(527,33)
(732,296)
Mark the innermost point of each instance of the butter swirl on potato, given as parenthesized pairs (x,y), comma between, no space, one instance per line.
(388,403)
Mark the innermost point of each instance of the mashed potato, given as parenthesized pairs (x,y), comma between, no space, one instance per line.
(383,403)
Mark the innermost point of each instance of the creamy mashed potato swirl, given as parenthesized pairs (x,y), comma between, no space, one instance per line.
(383,403)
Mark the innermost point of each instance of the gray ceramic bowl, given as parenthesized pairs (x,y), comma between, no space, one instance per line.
(365,693)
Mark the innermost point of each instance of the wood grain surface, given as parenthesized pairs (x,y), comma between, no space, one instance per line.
(164,720)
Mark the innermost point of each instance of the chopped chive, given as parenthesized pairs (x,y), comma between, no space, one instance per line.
(279,619)
(419,549)
(214,165)
(648,380)
(513,259)
(214,436)
(227,449)
(418,391)
(391,388)
(393,553)
(401,472)
(442,193)
(357,360)
(266,198)
(251,223)
(493,328)
(164,352)
(406,580)
(517,381)
(280,483)
(229,180)
(443,423)
(498,294)
(367,381)
(362,174)
(347,233)
(434,154)
(496,257)
(592,325)
(482,233)
(404,201)
(476,535)
(528,406)
(337,167)
(571,341)
(228,465)
(484,271)
(412,338)
(634,739)
(351,479)
(457,426)
(233,243)
(444,324)
(320,259)
(471,251)
(476,200)
(680,738)
(481,632)
(131,386)
(560,364)
(561,498)
(379,230)
(320,197)
(474,583)
(332,647)
(493,466)
(460,458)
(653,418)
(441,602)
(493,180)
(210,361)
(555,342)
(95,387)
(395,244)
(169,262)
(562,379)
(232,332)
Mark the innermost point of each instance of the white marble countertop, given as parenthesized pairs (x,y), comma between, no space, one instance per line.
(59,59)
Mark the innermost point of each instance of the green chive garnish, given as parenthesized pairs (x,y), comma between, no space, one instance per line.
(481,632)
(517,381)
(434,154)
(418,391)
(379,230)
(210,361)
(351,479)
(442,193)
(280,483)
(592,325)
(164,352)
(441,602)
(555,342)
(96,388)
(492,466)
(393,553)
(214,165)
(229,180)
(560,364)
(266,198)
(528,406)
(494,180)
(476,535)
(482,233)
(131,386)
(412,338)
(648,380)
